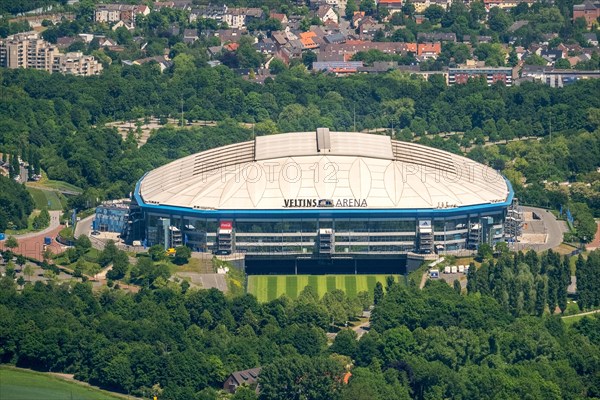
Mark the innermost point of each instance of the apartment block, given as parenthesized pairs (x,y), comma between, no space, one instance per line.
(28,50)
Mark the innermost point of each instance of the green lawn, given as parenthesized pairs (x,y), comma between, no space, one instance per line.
(269,287)
(19,384)
(56,185)
(47,199)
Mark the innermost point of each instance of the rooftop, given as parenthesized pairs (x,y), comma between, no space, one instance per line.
(263,173)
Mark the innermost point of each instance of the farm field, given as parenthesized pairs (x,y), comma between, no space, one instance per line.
(19,384)
(50,199)
(270,287)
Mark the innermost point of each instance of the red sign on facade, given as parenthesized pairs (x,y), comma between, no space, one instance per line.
(226,225)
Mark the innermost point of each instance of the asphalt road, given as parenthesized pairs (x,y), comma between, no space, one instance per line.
(54,223)
(84,227)
(555,230)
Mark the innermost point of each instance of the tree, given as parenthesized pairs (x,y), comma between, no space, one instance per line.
(540,295)
(534,59)
(157,252)
(351,8)
(499,20)
(378,293)
(317,378)
(484,251)
(120,266)
(345,343)
(434,13)
(472,279)
(562,63)
(28,271)
(368,6)
(11,242)
(182,255)
(457,287)
(84,243)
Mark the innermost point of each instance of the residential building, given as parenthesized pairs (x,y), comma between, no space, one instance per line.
(462,74)
(163,62)
(111,13)
(352,47)
(393,6)
(436,37)
(190,36)
(76,63)
(589,10)
(208,12)
(591,39)
(429,50)
(27,50)
(337,67)
(556,77)
(237,18)
(247,377)
(325,13)
(282,18)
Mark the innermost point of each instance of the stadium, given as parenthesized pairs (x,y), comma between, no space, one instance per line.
(312,200)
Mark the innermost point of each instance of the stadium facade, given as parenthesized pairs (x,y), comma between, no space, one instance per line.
(328,196)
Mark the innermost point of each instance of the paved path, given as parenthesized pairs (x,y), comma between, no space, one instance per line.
(581,314)
(54,223)
(595,244)
(362,328)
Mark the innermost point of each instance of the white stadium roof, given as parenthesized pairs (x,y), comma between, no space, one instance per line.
(344,169)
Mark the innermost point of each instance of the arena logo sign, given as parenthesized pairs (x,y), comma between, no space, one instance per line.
(315,203)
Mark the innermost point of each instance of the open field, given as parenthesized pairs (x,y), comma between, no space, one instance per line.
(49,184)
(270,287)
(50,199)
(19,384)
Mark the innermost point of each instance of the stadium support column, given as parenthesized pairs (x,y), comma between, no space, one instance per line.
(166,222)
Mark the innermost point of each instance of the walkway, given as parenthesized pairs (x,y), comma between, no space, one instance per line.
(581,314)
(595,244)
(54,223)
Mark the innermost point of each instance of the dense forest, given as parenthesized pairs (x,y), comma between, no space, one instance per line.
(15,204)
(58,122)
(424,344)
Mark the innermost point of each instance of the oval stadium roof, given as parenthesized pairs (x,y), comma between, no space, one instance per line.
(323,169)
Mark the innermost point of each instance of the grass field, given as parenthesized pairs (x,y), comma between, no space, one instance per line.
(47,199)
(269,287)
(54,185)
(19,384)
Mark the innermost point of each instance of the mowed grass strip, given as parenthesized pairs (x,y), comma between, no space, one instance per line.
(271,288)
(317,284)
(330,279)
(302,282)
(18,384)
(350,283)
(371,281)
(291,286)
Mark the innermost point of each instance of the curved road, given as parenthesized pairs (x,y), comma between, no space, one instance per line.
(54,223)
(555,230)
